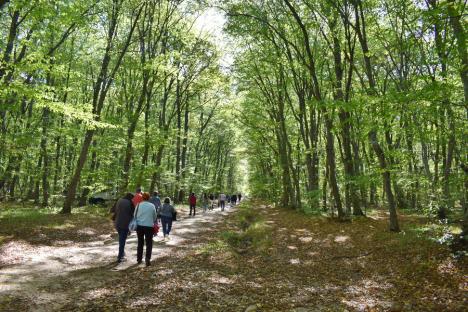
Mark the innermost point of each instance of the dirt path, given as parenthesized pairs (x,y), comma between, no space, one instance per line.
(305,264)
(49,277)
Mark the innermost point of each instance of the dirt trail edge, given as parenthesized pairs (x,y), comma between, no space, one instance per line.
(50,277)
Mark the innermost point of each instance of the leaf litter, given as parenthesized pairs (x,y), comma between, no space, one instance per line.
(305,264)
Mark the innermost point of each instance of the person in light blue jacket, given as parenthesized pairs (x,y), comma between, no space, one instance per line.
(145,215)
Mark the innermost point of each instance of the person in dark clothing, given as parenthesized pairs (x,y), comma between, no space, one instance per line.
(192,202)
(239,197)
(122,215)
(167,212)
(156,201)
(233,200)
(211,201)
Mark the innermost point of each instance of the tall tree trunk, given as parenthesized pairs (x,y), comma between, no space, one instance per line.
(45,157)
(71,193)
(178,142)
(12,34)
(146,148)
(459,32)
(331,163)
(184,150)
(57,161)
(448,202)
(324,189)
(128,156)
(92,168)
(285,169)
(156,177)
(344,116)
(372,135)
(101,88)
(460,35)
(447,150)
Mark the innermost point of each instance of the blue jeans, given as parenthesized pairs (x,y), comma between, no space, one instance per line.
(166,224)
(123,233)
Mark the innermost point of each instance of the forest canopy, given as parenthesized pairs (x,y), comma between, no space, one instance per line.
(100,95)
(331,105)
(354,104)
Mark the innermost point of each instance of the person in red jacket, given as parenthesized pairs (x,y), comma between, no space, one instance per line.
(192,202)
(138,198)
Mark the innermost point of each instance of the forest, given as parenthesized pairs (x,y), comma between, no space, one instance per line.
(335,109)
(123,94)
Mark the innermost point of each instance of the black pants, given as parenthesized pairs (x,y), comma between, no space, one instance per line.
(192,207)
(145,234)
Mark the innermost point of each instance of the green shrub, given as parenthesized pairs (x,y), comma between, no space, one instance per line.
(253,234)
(247,217)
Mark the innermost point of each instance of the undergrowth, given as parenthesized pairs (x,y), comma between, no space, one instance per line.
(251,234)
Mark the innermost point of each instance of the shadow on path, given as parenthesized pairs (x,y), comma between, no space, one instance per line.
(44,272)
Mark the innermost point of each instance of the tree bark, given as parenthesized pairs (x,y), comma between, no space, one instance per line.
(460,35)
(45,157)
(184,150)
(128,156)
(344,116)
(101,88)
(71,193)
(331,163)
(372,135)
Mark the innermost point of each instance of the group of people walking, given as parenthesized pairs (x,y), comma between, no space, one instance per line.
(146,211)
(208,202)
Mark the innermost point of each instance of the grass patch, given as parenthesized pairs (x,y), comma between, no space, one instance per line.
(46,225)
(214,247)
(253,234)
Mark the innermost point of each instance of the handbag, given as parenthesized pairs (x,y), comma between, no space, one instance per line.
(132,226)
(155,229)
(174,216)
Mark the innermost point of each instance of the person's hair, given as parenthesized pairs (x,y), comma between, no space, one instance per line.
(192,194)
(145,196)
(128,196)
(155,193)
(138,190)
(167,200)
